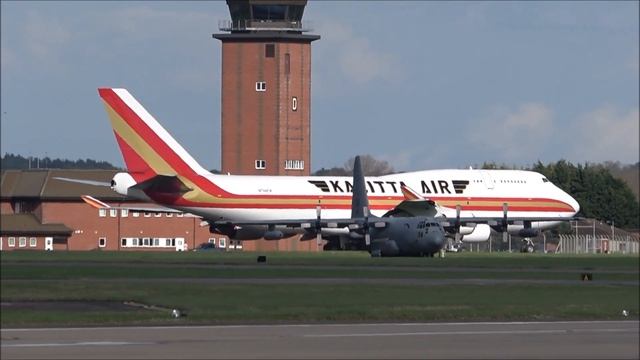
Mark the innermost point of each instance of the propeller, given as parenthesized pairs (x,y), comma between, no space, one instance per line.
(318,226)
(505,223)
(365,226)
(457,224)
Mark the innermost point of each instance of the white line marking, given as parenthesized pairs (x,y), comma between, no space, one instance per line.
(427,333)
(318,325)
(84,343)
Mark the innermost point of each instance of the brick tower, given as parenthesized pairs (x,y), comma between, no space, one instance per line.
(266,88)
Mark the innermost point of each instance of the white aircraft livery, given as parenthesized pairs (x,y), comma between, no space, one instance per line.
(161,171)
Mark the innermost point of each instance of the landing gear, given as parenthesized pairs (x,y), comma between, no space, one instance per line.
(527,246)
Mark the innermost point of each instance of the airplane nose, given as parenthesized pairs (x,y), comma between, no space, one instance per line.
(574,204)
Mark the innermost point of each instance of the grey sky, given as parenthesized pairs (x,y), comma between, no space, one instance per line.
(421,84)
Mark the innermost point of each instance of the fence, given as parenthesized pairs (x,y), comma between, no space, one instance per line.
(588,244)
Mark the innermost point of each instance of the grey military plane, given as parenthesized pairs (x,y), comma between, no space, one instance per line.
(397,233)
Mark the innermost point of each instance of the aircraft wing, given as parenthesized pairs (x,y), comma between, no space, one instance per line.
(413,208)
(310,224)
(494,221)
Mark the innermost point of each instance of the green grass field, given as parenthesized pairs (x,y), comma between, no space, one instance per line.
(89,288)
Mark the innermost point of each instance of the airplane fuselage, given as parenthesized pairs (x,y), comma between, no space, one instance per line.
(478,193)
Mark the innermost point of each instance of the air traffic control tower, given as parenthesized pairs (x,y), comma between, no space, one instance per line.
(266,88)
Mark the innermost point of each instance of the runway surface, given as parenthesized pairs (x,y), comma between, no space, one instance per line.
(493,340)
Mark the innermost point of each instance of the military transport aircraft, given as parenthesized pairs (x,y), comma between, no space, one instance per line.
(160,170)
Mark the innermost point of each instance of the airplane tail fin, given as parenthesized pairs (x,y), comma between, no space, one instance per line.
(359,199)
(147,148)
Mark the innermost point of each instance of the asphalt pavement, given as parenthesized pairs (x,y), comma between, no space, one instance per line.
(485,340)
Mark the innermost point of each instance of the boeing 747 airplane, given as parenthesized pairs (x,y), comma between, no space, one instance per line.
(161,171)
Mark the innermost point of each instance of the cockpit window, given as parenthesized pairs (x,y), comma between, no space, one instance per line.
(545,180)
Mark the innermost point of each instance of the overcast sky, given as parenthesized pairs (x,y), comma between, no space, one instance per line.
(421,84)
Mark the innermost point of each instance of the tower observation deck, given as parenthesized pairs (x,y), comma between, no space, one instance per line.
(266,88)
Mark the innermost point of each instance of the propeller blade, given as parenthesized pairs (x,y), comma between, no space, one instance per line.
(457,225)
(505,223)
(365,226)
(318,224)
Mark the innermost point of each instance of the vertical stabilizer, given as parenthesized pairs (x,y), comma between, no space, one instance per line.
(147,148)
(359,199)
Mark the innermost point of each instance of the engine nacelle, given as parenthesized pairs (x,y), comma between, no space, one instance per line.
(121,183)
(528,232)
(480,233)
(273,235)
(466,230)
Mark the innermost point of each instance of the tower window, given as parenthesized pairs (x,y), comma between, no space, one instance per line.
(261,164)
(294,103)
(294,164)
(261,86)
(287,64)
(270,50)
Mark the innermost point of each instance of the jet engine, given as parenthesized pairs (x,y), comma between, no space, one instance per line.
(480,233)
(528,232)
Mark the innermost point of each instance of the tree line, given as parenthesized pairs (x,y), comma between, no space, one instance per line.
(12,161)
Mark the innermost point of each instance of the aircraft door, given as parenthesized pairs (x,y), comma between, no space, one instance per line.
(487,179)
(48,244)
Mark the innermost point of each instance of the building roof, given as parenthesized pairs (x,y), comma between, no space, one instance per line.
(42,184)
(28,224)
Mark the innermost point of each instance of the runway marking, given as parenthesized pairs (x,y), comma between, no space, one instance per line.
(84,343)
(487,332)
(318,325)
(439,333)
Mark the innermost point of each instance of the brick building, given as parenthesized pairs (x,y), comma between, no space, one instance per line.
(34,204)
(40,212)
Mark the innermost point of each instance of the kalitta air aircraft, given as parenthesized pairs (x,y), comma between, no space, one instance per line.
(243,207)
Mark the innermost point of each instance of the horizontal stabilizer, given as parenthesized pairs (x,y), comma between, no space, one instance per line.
(163,184)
